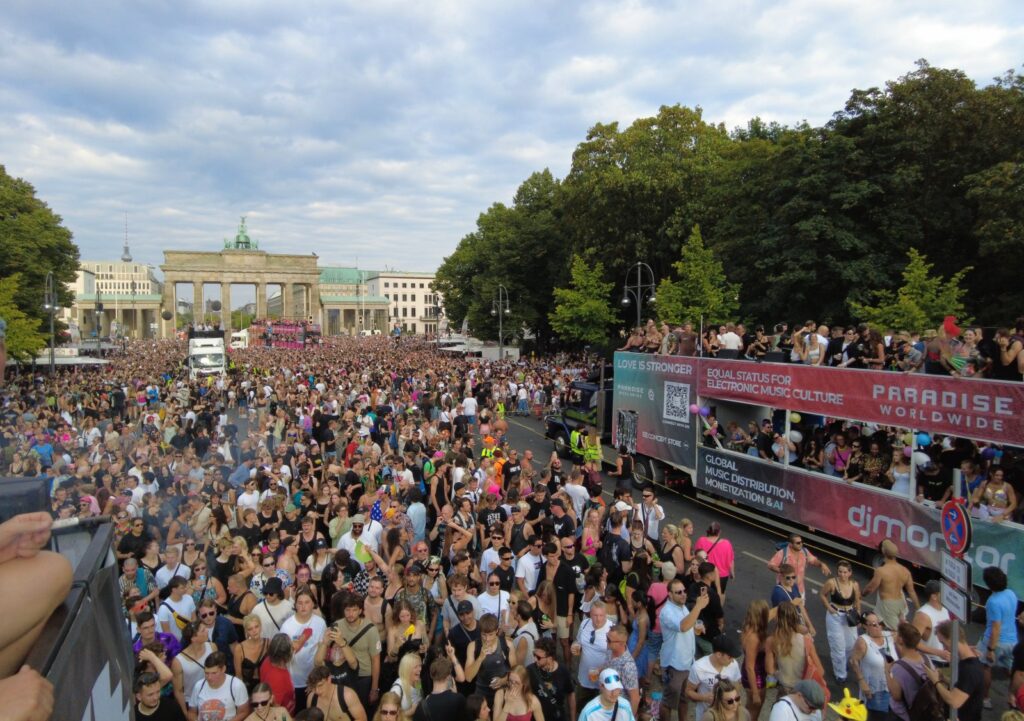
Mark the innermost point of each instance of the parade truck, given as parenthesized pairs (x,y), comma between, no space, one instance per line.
(684,416)
(206,356)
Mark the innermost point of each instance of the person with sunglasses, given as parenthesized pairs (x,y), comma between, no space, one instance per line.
(678,646)
(263,707)
(552,682)
(709,671)
(608,705)
(726,704)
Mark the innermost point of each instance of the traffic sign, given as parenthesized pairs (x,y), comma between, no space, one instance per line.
(956,602)
(956,527)
(956,570)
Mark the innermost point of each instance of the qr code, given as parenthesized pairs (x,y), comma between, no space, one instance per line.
(677,402)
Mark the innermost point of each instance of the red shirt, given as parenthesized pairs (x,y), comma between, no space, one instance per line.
(280,682)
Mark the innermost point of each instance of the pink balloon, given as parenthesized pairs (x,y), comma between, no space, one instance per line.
(713,430)
(907,451)
(694,408)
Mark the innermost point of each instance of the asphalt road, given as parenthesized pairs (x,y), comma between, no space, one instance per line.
(753,545)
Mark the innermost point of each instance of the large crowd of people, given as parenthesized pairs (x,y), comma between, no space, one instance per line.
(346,532)
(948,349)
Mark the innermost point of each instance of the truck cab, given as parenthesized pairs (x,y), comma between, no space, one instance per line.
(589,404)
(206,356)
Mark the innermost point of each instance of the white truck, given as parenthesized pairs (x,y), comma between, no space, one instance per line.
(240,339)
(206,357)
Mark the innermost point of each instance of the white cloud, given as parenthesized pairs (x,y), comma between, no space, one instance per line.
(381,130)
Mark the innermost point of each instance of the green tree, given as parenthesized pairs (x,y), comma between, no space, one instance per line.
(583,312)
(922,301)
(34,241)
(522,247)
(700,287)
(25,337)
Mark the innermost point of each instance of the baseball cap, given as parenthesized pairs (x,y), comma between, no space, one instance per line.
(610,679)
(811,692)
(622,506)
(438,454)
(320,543)
(416,567)
(464,607)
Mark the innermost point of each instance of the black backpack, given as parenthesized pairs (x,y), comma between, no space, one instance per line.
(927,704)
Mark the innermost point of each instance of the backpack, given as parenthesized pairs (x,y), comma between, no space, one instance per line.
(927,705)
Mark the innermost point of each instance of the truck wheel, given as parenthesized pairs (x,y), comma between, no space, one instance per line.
(645,472)
(562,444)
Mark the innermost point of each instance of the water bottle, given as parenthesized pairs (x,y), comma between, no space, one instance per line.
(770,681)
(655,704)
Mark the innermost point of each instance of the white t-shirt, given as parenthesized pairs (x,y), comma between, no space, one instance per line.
(164,574)
(704,676)
(730,340)
(186,608)
(273,618)
(350,544)
(302,660)
(494,604)
(786,710)
(528,569)
(219,704)
(489,556)
(469,406)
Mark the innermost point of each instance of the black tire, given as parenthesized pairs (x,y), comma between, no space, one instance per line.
(645,472)
(561,442)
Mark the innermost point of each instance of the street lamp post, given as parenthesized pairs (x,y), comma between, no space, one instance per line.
(500,308)
(642,290)
(50,306)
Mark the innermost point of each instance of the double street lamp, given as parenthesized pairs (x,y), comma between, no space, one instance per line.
(642,290)
(50,306)
(500,308)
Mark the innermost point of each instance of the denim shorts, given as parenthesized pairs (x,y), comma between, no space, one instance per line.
(1003,656)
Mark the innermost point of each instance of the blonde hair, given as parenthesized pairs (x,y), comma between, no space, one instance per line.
(405,681)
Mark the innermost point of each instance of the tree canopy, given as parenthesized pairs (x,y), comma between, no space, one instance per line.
(24,335)
(34,242)
(806,222)
(582,311)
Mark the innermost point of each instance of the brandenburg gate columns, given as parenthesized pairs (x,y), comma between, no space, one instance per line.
(225,305)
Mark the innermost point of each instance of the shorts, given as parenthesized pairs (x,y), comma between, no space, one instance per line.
(562,626)
(1003,656)
(674,683)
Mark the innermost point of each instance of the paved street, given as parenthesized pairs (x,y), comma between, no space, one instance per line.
(753,546)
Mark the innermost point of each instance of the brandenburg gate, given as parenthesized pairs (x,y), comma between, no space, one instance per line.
(241,262)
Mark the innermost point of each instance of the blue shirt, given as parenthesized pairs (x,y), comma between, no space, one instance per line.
(594,711)
(1002,606)
(417,514)
(678,647)
(239,477)
(780,594)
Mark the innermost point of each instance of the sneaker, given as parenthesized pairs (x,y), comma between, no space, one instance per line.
(987,703)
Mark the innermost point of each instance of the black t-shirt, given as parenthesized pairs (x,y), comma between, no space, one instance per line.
(492,516)
(135,545)
(507,578)
(971,680)
(510,472)
(552,690)
(614,551)
(712,613)
(444,706)
(934,485)
(563,527)
(537,506)
(168,710)
(565,584)
(579,569)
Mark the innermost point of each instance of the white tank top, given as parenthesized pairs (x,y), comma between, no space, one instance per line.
(937,616)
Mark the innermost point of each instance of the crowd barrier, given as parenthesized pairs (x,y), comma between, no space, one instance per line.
(84,649)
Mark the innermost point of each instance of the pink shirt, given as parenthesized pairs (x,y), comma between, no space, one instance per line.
(797,560)
(719,553)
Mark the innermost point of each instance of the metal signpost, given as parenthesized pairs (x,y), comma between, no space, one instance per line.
(956,577)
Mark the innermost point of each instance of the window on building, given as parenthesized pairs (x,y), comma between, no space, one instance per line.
(413,297)
(404,297)
(405,312)
(385,284)
(412,312)
(414,328)
(421,285)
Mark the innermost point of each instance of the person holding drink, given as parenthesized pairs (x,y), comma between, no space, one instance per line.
(591,647)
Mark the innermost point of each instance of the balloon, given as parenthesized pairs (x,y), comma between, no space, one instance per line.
(908,439)
(713,430)
(988,453)
(796,436)
(907,451)
(694,408)
(795,417)
(921,458)
(705,411)
(923,439)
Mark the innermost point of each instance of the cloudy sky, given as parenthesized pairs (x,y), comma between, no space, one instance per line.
(376,132)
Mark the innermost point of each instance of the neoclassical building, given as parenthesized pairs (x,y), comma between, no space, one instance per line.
(198,286)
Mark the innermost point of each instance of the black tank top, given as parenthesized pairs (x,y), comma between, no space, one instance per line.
(838,599)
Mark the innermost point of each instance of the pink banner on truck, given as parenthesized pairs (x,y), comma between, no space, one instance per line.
(852,512)
(973,408)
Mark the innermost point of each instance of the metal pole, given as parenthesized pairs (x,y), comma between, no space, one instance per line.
(954,661)
(639,296)
(51,307)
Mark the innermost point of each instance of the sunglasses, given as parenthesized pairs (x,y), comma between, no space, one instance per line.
(506,558)
(388,712)
(730,700)
(647,495)
(493,583)
(789,578)
(269,565)
(211,614)
(190,545)
(261,702)
(200,568)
